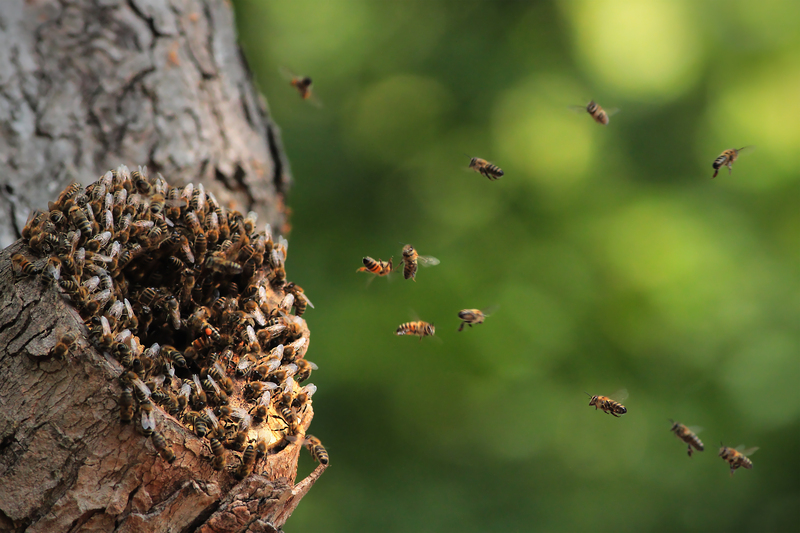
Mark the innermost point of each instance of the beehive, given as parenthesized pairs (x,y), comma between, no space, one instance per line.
(191,300)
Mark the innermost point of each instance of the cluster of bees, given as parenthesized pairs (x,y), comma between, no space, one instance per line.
(192,301)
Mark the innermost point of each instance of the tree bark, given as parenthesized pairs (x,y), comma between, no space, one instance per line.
(85,86)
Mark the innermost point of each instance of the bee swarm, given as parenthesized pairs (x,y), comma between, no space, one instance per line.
(192,302)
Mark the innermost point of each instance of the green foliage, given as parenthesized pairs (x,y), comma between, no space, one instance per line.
(615,259)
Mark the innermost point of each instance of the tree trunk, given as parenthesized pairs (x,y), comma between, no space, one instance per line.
(87,85)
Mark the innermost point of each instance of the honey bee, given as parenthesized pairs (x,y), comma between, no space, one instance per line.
(248,460)
(302,84)
(598,113)
(173,310)
(52,270)
(423,329)
(61,349)
(472,316)
(687,435)
(126,406)
(411,259)
(162,447)
(727,158)
(484,168)
(219,264)
(608,405)
(218,450)
(148,421)
(300,298)
(304,369)
(737,457)
(22,264)
(318,451)
(79,219)
(139,178)
(379,268)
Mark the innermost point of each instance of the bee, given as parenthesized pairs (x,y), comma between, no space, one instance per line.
(688,436)
(484,168)
(411,259)
(148,421)
(52,270)
(218,450)
(423,329)
(379,268)
(737,457)
(598,113)
(302,84)
(173,309)
(174,355)
(24,266)
(472,316)
(304,369)
(162,447)
(62,347)
(259,414)
(66,195)
(727,158)
(608,405)
(218,264)
(78,218)
(139,178)
(248,460)
(126,406)
(318,451)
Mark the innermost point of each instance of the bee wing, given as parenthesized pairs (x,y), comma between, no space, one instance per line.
(612,111)
(695,429)
(427,260)
(620,396)
(287,74)
(577,108)
(745,150)
(746,451)
(490,310)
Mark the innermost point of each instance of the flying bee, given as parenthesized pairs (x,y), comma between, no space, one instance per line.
(687,435)
(411,260)
(727,158)
(162,447)
(379,268)
(302,84)
(598,113)
(126,406)
(22,264)
(472,316)
(318,451)
(484,168)
(62,347)
(608,405)
(737,457)
(420,328)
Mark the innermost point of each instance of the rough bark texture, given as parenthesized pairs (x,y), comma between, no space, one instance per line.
(85,86)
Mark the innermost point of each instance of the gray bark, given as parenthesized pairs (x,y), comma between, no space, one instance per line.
(87,85)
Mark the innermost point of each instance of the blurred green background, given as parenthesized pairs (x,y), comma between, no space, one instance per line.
(615,259)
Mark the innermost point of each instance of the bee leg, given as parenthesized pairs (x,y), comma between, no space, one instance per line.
(461,327)
(689,450)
